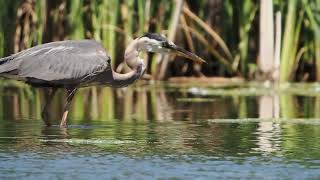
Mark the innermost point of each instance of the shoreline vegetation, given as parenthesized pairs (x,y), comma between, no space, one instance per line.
(252,40)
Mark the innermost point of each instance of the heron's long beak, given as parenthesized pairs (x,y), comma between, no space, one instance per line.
(184,53)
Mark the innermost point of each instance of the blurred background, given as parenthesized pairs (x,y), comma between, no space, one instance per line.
(273,40)
(211,120)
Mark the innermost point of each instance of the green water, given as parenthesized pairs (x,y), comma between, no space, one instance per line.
(249,131)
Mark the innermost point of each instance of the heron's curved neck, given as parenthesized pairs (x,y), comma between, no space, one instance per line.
(133,60)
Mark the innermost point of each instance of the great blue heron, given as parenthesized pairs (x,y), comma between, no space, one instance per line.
(74,64)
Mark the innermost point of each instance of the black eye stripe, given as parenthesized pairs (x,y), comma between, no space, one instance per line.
(155,36)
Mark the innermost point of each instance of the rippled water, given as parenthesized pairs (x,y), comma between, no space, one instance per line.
(170,132)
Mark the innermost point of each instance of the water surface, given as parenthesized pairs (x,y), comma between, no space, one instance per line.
(167,131)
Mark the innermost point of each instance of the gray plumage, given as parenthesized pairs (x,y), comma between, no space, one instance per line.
(60,63)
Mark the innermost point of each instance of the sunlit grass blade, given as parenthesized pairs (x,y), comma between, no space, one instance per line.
(76,20)
(171,36)
(289,44)
(213,51)
(209,30)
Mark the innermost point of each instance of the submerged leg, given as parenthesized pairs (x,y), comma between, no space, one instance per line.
(70,94)
(48,96)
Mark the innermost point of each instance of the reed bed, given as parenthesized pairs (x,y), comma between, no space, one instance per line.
(225,33)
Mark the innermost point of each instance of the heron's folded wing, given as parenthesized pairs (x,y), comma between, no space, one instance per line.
(66,60)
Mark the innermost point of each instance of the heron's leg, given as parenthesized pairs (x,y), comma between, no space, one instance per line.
(70,94)
(48,96)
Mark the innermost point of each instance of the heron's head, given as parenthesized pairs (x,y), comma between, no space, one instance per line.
(151,42)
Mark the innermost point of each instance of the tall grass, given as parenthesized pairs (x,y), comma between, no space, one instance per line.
(312,11)
(247,14)
(289,48)
(229,40)
(7,28)
(76,9)
(171,35)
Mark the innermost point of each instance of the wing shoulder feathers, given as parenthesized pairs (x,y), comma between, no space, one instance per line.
(64,60)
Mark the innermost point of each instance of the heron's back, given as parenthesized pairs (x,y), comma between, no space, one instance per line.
(57,63)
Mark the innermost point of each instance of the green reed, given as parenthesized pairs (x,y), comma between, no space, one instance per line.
(77,30)
(230,44)
(289,48)
(313,14)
